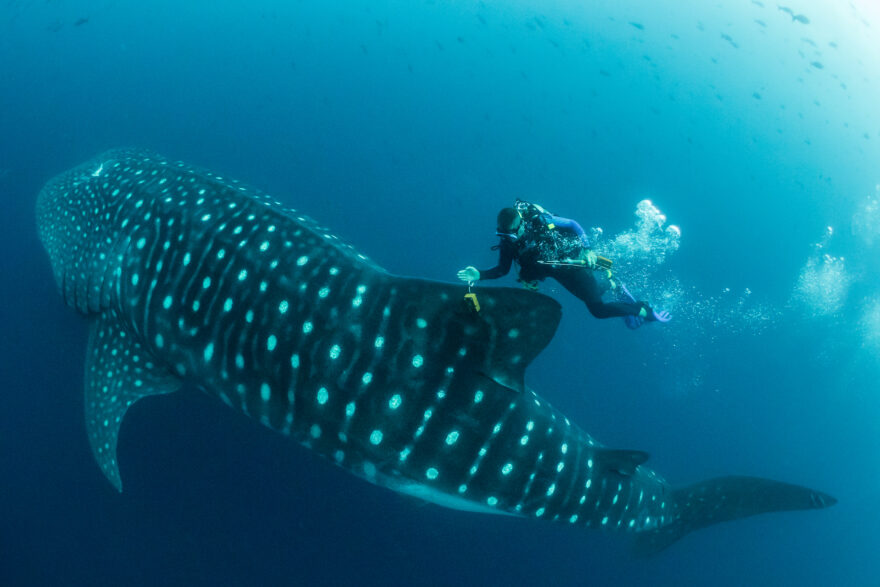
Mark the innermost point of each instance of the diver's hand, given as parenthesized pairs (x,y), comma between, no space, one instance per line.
(469,274)
(590,257)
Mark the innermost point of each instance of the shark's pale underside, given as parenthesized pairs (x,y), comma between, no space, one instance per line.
(187,276)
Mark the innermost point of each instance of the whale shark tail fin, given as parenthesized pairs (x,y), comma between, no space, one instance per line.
(727,498)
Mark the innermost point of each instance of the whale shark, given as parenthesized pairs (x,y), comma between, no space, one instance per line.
(191,279)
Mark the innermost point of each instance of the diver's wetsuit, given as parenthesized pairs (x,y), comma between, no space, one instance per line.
(579,281)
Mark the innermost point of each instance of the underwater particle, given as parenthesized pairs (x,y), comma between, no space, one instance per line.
(866,219)
(870,325)
(824,281)
(648,243)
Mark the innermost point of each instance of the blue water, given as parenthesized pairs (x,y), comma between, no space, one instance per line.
(404,126)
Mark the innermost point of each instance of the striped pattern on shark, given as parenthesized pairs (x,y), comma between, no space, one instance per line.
(189,276)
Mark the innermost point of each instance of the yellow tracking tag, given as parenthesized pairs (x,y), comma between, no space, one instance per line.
(551,226)
(472,298)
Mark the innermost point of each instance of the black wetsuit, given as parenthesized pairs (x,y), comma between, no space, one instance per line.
(580,281)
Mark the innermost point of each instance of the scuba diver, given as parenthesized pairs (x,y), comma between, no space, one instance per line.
(544,245)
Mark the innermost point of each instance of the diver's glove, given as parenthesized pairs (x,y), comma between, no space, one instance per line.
(646,314)
(590,257)
(469,274)
(650,315)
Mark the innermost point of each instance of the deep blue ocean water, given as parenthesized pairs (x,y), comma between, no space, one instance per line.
(404,126)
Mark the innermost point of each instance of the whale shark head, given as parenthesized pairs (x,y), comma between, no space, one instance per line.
(73,213)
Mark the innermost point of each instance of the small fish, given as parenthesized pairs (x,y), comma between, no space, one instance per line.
(756,96)
(757,3)
(762,23)
(817,64)
(638,25)
(81,21)
(786,9)
(730,40)
(800,18)
(808,41)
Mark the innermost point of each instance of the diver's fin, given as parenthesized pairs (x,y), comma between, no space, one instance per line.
(118,373)
(724,499)
(622,462)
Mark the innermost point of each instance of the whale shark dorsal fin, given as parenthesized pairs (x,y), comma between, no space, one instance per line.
(522,324)
(498,341)
(622,462)
(118,373)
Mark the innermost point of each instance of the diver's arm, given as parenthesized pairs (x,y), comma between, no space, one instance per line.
(505,260)
(587,253)
(572,226)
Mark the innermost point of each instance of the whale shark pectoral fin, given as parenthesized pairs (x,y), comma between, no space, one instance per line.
(118,373)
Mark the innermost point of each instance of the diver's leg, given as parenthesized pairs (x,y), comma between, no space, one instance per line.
(583,285)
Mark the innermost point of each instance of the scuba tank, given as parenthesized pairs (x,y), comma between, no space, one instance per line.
(543,241)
